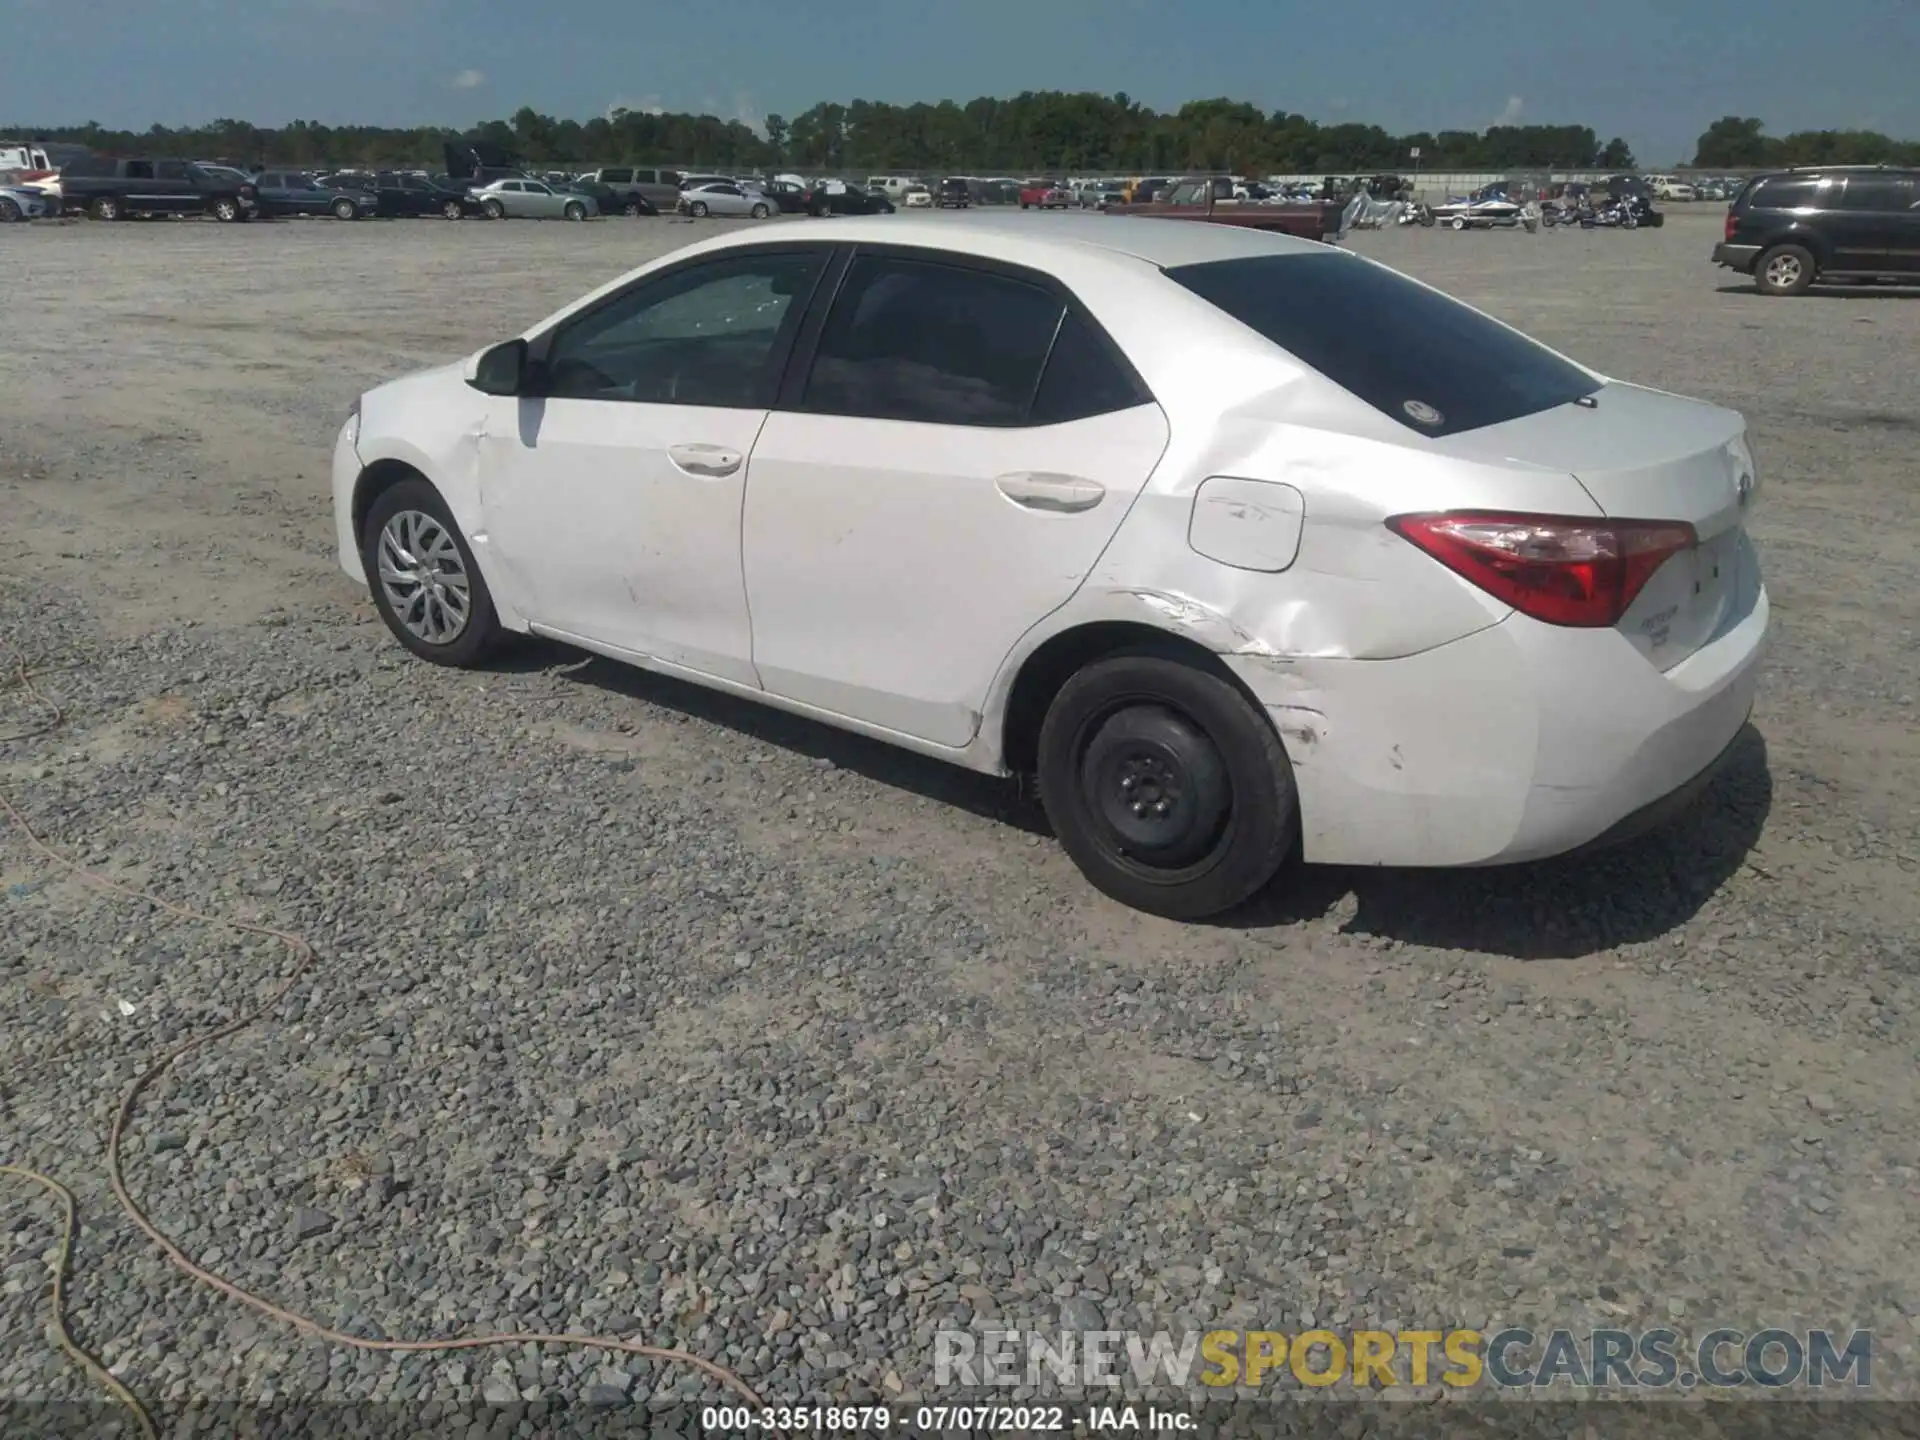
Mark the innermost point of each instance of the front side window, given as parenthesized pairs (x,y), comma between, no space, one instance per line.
(534,187)
(715,334)
(939,344)
(616,177)
(1426,360)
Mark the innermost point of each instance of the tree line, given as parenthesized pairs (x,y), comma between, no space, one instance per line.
(1031,133)
(1736,142)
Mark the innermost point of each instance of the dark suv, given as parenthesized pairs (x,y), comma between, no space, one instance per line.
(1792,228)
(111,188)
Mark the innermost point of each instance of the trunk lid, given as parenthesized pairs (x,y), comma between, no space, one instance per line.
(1647,455)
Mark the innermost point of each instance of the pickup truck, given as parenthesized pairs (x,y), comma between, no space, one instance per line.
(112,188)
(1045,195)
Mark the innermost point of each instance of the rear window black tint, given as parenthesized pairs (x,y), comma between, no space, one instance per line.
(1428,361)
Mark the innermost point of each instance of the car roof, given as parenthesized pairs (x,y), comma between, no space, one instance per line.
(1029,239)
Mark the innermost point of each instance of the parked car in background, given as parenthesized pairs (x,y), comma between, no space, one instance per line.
(1668,188)
(27,202)
(398,192)
(113,188)
(1793,228)
(1101,194)
(837,197)
(725,197)
(519,199)
(1143,192)
(607,200)
(953,193)
(291,192)
(917,197)
(1045,195)
(639,190)
(233,174)
(788,196)
(694,182)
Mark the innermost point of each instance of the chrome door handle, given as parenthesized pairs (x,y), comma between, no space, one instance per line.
(705,459)
(1042,490)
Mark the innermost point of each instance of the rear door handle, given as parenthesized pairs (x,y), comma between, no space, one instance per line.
(1043,490)
(705,459)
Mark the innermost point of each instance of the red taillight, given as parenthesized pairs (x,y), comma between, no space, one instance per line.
(1731,222)
(1560,569)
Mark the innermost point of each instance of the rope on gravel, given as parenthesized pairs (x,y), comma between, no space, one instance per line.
(304,958)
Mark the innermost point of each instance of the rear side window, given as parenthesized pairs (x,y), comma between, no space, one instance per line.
(139,170)
(1084,376)
(938,344)
(1882,194)
(616,177)
(1429,362)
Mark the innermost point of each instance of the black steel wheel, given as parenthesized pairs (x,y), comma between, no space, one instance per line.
(1165,785)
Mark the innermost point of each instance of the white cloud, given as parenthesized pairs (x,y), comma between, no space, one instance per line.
(1511,115)
(645,105)
(748,113)
(469,80)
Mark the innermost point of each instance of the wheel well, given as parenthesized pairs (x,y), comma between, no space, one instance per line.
(374,481)
(1056,661)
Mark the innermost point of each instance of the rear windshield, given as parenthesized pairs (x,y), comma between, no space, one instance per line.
(1430,362)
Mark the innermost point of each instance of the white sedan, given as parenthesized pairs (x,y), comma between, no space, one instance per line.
(1235,541)
(724,197)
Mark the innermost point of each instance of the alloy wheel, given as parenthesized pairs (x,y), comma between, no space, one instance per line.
(424,577)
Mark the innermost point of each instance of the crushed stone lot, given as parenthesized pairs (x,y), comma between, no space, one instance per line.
(644,1012)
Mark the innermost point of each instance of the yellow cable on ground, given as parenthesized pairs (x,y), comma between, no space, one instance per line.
(57,1320)
(304,958)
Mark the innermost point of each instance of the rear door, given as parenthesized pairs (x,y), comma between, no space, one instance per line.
(948,460)
(173,183)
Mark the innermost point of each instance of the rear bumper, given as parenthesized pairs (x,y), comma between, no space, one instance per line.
(1736,257)
(1515,743)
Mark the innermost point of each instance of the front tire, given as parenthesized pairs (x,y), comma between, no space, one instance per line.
(495,210)
(345,210)
(759,212)
(105,208)
(1166,787)
(1785,270)
(575,211)
(698,209)
(423,578)
(10,210)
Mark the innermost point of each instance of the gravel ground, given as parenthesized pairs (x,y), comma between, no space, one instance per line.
(644,1012)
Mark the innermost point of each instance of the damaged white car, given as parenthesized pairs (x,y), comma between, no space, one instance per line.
(1239,543)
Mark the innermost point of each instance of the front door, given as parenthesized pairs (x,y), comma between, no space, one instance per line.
(961,451)
(612,497)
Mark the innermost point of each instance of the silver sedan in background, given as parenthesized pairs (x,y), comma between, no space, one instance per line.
(532,200)
(725,197)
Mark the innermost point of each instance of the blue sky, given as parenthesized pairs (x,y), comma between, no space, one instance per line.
(1655,71)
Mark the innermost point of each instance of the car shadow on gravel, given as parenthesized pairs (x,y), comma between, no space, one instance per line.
(987,796)
(1833,292)
(1637,891)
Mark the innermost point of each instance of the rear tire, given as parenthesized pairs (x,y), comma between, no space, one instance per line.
(452,210)
(1166,787)
(105,208)
(632,208)
(416,507)
(1785,270)
(10,210)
